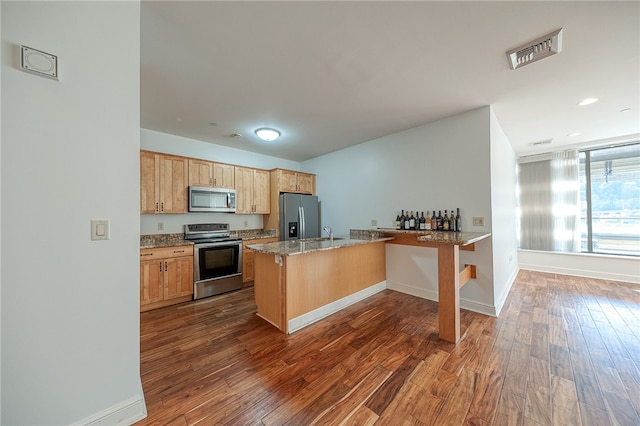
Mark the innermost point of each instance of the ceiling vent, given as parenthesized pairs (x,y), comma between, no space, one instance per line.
(544,142)
(535,50)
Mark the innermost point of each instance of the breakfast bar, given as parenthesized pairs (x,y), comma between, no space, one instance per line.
(450,277)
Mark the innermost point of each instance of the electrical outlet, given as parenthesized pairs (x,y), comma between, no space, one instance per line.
(160,226)
(478,221)
(374,222)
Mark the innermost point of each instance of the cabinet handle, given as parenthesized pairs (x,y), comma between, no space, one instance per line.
(211,181)
(146,254)
(215,182)
(165,266)
(162,206)
(160,266)
(157,207)
(178,251)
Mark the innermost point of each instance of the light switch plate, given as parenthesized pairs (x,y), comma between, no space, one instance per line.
(99,229)
(478,221)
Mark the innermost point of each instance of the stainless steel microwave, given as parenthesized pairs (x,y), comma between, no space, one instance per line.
(207,199)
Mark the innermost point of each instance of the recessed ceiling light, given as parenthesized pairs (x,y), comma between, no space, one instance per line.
(267,134)
(574,134)
(625,110)
(587,101)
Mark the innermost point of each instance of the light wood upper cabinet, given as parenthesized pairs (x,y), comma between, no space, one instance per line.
(290,181)
(244,190)
(163,183)
(252,191)
(207,173)
(223,175)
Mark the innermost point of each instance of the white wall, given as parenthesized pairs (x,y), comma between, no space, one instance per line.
(70,306)
(442,165)
(503,212)
(171,144)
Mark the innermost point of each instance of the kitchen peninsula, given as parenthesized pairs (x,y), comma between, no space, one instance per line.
(301,281)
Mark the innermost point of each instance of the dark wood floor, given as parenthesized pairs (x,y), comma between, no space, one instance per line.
(564,351)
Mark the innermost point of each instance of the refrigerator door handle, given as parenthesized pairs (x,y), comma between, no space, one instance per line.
(303,230)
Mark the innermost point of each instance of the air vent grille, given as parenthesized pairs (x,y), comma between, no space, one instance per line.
(544,142)
(537,49)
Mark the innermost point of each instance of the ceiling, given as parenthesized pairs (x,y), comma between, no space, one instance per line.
(329,75)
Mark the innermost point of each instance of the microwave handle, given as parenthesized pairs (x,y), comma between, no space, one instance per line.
(228,200)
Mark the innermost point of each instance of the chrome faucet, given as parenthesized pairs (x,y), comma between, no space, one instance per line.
(329,231)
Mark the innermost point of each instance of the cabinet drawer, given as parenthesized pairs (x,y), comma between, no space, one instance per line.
(166,252)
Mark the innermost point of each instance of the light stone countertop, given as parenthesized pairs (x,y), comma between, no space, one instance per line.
(295,247)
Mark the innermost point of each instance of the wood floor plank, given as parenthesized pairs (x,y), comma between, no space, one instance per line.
(564,351)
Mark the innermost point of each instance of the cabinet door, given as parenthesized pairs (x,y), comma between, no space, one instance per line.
(244,190)
(261,192)
(247,265)
(248,274)
(288,181)
(151,281)
(223,176)
(200,173)
(178,277)
(149,184)
(174,177)
(305,183)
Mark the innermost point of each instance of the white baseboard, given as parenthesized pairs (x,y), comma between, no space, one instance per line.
(503,297)
(124,413)
(589,265)
(470,305)
(317,314)
(601,275)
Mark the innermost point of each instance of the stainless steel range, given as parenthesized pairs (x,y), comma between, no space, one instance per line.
(217,259)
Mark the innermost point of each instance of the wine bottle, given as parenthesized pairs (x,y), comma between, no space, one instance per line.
(452,222)
(422,222)
(458,220)
(439,221)
(397,222)
(434,222)
(406,221)
(445,222)
(427,222)
(412,221)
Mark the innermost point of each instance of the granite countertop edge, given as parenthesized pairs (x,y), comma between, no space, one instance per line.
(298,247)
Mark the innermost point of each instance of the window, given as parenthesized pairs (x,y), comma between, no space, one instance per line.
(587,201)
(610,200)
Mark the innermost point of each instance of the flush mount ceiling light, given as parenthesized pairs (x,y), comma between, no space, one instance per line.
(267,134)
(587,101)
(574,134)
(537,49)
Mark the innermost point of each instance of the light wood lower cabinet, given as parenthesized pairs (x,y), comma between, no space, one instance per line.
(248,256)
(166,276)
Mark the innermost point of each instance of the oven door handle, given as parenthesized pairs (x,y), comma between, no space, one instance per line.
(218,244)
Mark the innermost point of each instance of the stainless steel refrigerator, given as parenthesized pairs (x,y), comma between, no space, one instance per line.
(299,217)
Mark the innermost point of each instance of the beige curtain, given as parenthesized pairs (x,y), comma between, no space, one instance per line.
(549,203)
